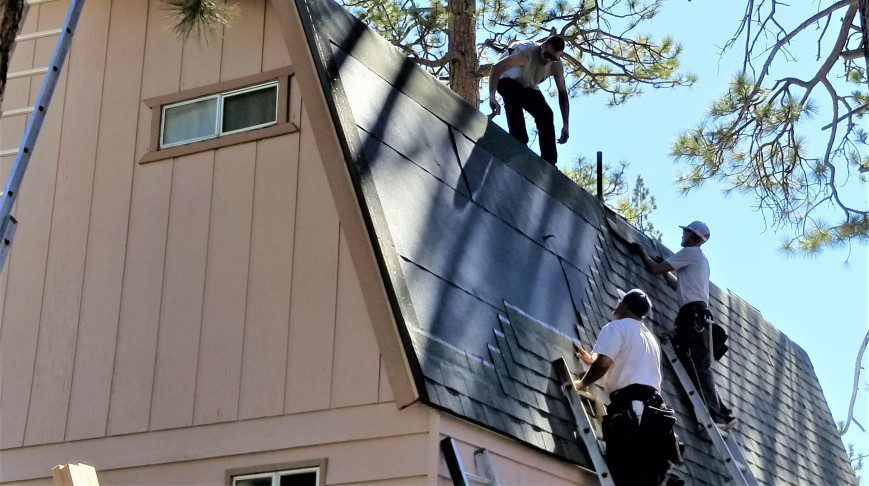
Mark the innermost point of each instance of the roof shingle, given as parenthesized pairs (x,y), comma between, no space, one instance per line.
(504,263)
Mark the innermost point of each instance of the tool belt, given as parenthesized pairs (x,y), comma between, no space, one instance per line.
(654,428)
(692,320)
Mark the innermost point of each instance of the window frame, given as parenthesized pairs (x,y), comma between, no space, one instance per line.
(271,469)
(258,87)
(282,125)
(218,119)
(276,475)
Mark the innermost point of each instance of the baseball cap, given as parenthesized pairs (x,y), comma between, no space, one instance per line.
(699,228)
(636,300)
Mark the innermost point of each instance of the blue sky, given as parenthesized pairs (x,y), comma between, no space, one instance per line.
(819,302)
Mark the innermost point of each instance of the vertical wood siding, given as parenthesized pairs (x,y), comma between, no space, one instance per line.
(209,288)
(110,211)
(29,255)
(61,298)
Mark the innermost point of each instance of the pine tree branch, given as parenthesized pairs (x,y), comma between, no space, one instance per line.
(856,387)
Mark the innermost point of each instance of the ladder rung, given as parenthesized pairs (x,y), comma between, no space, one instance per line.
(37,2)
(34,124)
(27,72)
(6,153)
(6,239)
(473,478)
(38,35)
(727,447)
(16,112)
(585,429)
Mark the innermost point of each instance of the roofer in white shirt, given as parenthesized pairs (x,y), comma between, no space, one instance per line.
(638,427)
(694,323)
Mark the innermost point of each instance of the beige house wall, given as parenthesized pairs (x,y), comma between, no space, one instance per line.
(169,321)
(362,443)
(208,288)
(514,464)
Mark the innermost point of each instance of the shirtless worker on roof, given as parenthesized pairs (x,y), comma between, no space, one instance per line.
(517,76)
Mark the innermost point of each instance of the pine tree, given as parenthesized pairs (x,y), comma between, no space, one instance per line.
(635,204)
(605,53)
(11,12)
(752,139)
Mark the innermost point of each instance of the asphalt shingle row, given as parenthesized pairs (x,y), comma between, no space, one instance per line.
(476,219)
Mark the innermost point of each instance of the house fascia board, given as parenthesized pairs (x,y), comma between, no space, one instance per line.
(388,304)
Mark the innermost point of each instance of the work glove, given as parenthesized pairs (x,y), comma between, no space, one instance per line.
(635,248)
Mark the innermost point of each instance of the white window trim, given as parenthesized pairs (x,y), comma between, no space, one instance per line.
(218,120)
(276,475)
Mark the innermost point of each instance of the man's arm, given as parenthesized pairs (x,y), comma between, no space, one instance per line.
(656,268)
(595,372)
(499,68)
(563,103)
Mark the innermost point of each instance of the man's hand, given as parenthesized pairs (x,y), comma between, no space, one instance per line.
(671,280)
(494,105)
(564,135)
(583,354)
(579,386)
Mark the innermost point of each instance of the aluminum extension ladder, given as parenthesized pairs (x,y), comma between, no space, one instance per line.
(584,407)
(725,444)
(8,224)
(458,474)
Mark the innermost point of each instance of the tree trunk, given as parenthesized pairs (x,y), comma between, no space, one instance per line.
(864,24)
(462,41)
(10,17)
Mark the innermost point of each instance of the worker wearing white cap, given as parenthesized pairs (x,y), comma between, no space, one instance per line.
(638,427)
(694,321)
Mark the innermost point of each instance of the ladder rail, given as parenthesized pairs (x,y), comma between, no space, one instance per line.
(586,430)
(34,124)
(458,474)
(484,465)
(728,449)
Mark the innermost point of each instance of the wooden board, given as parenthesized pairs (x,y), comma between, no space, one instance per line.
(275,53)
(219,370)
(264,363)
(183,284)
(130,405)
(30,252)
(356,363)
(110,212)
(58,325)
(315,272)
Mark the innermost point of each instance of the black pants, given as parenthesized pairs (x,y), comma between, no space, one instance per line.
(518,98)
(693,341)
(637,453)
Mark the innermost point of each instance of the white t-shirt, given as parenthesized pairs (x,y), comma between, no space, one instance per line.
(692,273)
(635,353)
(533,72)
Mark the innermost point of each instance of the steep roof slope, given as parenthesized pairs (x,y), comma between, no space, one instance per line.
(497,263)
